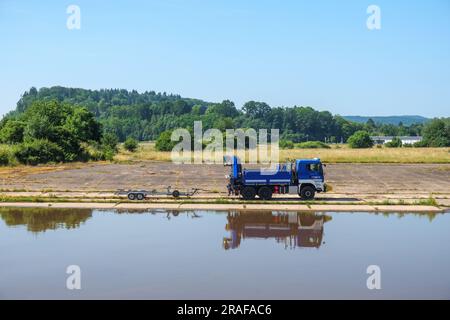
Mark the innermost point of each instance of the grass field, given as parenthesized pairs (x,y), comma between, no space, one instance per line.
(341,154)
(337,154)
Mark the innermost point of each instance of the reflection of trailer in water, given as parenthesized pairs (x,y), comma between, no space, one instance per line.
(292,229)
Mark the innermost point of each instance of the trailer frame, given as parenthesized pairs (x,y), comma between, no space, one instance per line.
(141,194)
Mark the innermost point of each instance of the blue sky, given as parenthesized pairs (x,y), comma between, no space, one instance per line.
(316,53)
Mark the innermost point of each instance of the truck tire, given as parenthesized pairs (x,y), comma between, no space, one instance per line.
(131,196)
(307,193)
(248,193)
(265,193)
(140,196)
(176,193)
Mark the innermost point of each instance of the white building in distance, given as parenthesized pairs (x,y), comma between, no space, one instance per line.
(405,140)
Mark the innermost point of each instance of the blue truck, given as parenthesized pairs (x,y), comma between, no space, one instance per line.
(304,177)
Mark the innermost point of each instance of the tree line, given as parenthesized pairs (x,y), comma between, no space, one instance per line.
(144,116)
(60,124)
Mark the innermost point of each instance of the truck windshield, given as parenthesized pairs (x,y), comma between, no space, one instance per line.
(316,167)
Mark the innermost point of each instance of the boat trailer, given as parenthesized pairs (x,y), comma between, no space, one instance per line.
(142,194)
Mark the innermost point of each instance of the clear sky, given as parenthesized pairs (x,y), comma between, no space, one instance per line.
(291,52)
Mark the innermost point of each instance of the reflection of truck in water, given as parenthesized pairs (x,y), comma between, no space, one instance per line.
(292,229)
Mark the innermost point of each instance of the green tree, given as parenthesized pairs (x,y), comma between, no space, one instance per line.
(109,141)
(224,109)
(436,133)
(50,131)
(360,139)
(63,124)
(370,125)
(164,142)
(256,109)
(12,131)
(394,143)
(223,123)
(82,124)
(130,144)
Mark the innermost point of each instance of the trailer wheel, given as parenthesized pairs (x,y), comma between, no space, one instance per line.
(140,196)
(248,193)
(307,193)
(176,193)
(265,193)
(131,196)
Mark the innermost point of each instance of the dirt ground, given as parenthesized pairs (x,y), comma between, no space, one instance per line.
(350,182)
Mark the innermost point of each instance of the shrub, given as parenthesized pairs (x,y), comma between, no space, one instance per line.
(360,139)
(164,142)
(6,156)
(394,143)
(286,144)
(130,144)
(98,152)
(96,155)
(108,154)
(39,151)
(109,141)
(313,145)
(420,144)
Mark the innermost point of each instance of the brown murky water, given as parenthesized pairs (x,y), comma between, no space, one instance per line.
(229,255)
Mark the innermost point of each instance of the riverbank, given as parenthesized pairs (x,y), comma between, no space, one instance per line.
(229,206)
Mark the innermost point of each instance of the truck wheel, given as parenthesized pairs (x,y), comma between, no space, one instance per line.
(307,193)
(176,193)
(131,196)
(248,193)
(265,193)
(140,196)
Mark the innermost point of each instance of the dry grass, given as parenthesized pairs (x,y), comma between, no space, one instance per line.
(342,154)
(24,170)
(374,155)
(146,151)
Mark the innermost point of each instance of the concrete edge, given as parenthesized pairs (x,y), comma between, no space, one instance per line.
(239,207)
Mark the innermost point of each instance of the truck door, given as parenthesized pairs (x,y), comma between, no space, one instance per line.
(315,171)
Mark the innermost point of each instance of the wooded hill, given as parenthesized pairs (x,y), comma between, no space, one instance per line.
(146,115)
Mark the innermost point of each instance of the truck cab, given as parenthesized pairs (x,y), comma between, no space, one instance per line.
(304,177)
(309,172)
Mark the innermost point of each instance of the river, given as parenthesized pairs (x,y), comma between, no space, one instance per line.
(222,255)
